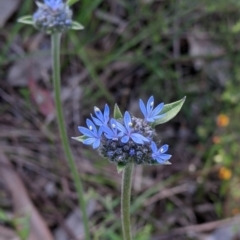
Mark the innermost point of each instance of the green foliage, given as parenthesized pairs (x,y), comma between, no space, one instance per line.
(80,138)
(170,110)
(26,20)
(71,2)
(117,112)
(20,223)
(77,26)
(144,233)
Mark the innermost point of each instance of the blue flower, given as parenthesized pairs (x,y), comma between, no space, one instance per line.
(149,113)
(127,131)
(101,118)
(54,4)
(159,154)
(94,135)
(112,131)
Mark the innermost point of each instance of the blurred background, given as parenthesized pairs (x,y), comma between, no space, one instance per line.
(129,49)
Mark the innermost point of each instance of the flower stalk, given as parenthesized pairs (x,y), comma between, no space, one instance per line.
(125,201)
(56,38)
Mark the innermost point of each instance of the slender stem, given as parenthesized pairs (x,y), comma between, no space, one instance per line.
(125,201)
(56,38)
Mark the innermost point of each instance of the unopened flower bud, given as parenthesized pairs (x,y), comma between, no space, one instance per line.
(52,16)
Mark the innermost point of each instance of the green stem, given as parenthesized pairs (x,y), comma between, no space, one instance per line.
(56,38)
(125,201)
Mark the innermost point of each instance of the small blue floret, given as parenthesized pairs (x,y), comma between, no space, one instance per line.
(112,132)
(101,118)
(159,154)
(127,131)
(149,113)
(93,135)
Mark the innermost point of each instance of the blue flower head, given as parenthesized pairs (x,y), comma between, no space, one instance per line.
(128,138)
(151,114)
(159,154)
(93,135)
(112,131)
(101,118)
(127,131)
(52,16)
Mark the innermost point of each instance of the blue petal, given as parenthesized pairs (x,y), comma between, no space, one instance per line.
(106,113)
(90,125)
(157,109)
(143,108)
(165,156)
(86,132)
(127,120)
(125,139)
(163,149)
(154,147)
(140,137)
(149,105)
(100,131)
(113,121)
(96,121)
(107,130)
(149,119)
(136,138)
(53,3)
(96,144)
(89,141)
(99,114)
(108,136)
(120,134)
(121,128)
(113,124)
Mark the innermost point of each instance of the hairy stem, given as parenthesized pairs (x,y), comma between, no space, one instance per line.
(125,201)
(56,38)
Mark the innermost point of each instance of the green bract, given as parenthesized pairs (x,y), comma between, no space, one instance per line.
(120,167)
(71,2)
(26,20)
(117,113)
(80,138)
(170,110)
(76,26)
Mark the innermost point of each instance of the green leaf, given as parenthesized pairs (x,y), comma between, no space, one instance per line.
(71,2)
(80,138)
(120,167)
(26,20)
(170,110)
(77,26)
(117,113)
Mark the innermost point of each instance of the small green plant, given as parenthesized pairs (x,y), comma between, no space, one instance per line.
(54,17)
(126,140)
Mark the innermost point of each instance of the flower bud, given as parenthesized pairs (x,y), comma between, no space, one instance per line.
(52,16)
